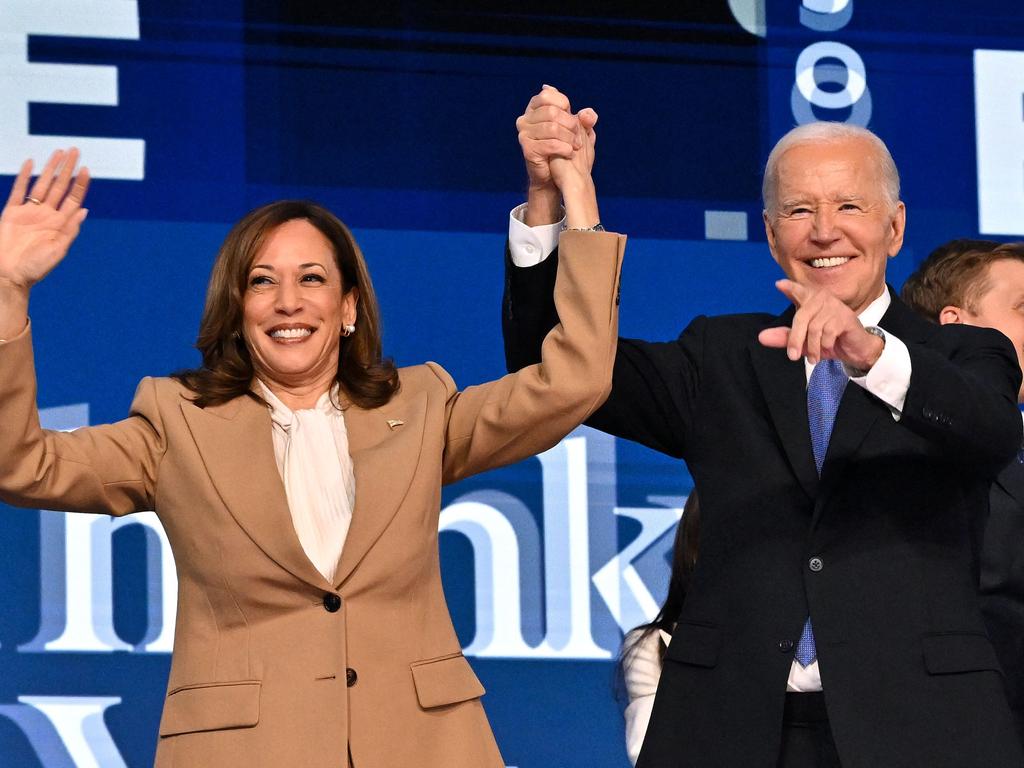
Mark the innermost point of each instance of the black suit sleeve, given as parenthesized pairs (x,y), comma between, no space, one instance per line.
(528,310)
(963,396)
(653,384)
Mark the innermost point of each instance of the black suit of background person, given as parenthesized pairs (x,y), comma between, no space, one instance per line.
(981,282)
(877,550)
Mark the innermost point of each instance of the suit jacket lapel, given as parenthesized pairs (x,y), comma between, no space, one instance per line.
(784,384)
(385,445)
(235,443)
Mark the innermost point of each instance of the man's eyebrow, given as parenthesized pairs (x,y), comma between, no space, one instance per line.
(793,202)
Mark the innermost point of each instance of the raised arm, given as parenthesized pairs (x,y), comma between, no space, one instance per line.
(37,227)
(651,381)
(550,136)
(109,468)
(527,412)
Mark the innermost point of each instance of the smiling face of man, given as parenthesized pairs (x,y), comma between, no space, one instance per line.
(832,225)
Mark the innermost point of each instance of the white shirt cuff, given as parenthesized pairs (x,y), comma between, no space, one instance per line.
(529,246)
(889,377)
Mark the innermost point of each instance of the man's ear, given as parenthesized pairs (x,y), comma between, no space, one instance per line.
(769,233)
(951,314)
(897,227)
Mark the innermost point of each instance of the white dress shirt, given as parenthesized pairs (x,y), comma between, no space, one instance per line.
(888,379)
(311,449)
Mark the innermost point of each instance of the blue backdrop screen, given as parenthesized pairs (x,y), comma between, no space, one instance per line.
(399,116)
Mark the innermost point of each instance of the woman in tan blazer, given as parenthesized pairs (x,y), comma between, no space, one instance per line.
(280,660)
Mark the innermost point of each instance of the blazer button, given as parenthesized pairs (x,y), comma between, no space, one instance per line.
(815,564)
(785,646)
(332,602)
(350,677)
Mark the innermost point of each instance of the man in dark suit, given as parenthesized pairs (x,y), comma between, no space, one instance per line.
(981,282)
(841,452)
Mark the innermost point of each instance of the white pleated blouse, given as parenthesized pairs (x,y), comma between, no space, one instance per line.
(311,448)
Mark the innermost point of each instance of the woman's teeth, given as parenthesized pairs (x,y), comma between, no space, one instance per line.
(290,333)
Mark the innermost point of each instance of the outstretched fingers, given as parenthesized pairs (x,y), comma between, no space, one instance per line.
(20,186)
(793,291)
(62,178)
(76,196)
(46,176)
(776,338)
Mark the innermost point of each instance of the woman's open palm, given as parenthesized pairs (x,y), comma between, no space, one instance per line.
(37,227)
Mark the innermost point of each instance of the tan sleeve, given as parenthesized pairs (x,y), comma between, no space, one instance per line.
(107,469)
(527,412)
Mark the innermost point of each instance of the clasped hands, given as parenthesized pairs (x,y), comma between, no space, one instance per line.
(823,328)
(558,147)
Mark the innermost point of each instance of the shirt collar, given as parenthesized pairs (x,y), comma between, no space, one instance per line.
(872,314)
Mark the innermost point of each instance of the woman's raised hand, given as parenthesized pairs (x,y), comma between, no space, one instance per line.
(37,226)
(572,174)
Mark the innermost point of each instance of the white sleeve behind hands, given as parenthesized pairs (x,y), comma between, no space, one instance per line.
(889,377)
(529,246)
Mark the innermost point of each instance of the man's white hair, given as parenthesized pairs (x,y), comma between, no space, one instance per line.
(829,133)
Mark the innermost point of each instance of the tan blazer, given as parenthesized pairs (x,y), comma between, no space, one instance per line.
(274,666)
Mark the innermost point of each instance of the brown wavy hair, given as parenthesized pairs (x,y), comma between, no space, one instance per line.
(227,371)
(956,274)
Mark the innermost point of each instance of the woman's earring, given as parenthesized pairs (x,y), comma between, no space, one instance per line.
(348,330)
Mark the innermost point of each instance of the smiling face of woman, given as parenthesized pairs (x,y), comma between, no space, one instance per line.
(293,311)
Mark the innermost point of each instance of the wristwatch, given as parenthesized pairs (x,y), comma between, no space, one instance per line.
(599,227)
(856,373)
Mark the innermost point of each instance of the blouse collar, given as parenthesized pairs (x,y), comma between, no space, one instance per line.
(283,416)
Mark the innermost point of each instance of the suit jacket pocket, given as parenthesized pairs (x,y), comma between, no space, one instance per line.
(445,680)
(211,707)
(950,652)
(697,644)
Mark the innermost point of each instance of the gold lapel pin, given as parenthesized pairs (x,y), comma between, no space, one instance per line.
(395,423)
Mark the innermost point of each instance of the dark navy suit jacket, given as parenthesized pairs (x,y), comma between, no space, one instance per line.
(1002,581)
(910,676)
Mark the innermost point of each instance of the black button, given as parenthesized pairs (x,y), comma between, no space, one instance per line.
(332,602)
(785,646)
(350,677)
(815,564)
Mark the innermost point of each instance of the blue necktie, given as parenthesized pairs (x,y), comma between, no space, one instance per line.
(824,391)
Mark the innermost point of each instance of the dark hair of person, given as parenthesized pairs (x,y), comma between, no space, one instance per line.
(956,275)
(684,560)
(227,370)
